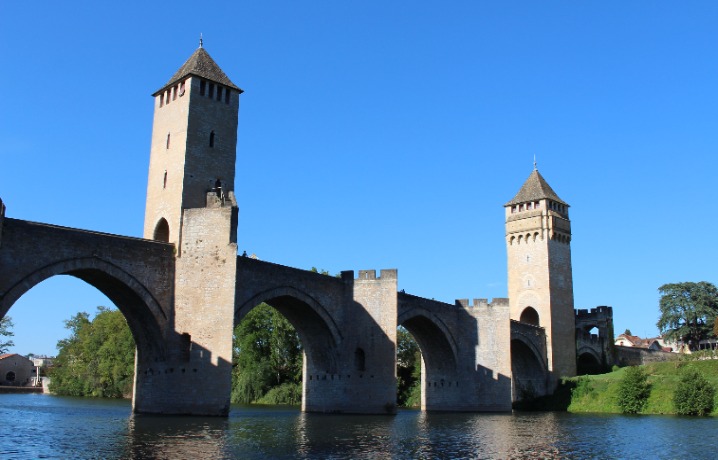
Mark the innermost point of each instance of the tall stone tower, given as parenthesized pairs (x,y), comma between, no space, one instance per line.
(538,242)
(191,204)
(194,142)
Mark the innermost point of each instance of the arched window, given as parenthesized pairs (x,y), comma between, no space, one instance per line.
(10,376)
(211,139)
(162,231)
(359,360)
(530,316)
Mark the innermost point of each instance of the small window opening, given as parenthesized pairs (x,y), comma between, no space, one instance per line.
(219,93)
(167,97)
(211,90)
(174,93)
(360,360)
(226,96)
(162,100)
(168,141)
(211,139)
(164,181)
(181,89)
(202,85)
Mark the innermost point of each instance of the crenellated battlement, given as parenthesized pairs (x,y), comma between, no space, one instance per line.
(384,274)
(603,311)
(482,303)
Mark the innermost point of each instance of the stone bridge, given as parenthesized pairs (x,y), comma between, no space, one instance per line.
(347,325)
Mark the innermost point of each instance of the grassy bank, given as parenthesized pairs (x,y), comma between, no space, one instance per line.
(599,393)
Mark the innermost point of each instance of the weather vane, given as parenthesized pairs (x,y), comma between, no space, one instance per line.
(200,39)
(534,156)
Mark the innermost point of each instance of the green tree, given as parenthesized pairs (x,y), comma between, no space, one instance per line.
(694,395)
(5,325)
(98,357)
(688,311)
(267,354)
(408,368)
(633,391)
(627,332)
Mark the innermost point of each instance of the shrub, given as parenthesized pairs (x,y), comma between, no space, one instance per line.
(633,391)
(583,388)
(286,393)
(694,395)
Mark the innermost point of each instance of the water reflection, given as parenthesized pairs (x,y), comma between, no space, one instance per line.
(51,427)
(156,437)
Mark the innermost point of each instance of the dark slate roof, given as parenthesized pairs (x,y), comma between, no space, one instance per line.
(201,65)
(535,188)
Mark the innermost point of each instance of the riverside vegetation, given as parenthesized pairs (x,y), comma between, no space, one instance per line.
(97,359)
(683,387)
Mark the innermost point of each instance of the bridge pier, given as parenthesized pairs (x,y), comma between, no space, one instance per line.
(364,377)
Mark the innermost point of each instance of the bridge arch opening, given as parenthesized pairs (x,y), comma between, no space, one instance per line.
(436,358)
(528,371)
(44,302)
(162,231)
(315,343)
(530,316)
(587,363)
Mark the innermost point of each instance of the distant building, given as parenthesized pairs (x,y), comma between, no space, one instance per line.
(653,343)
(15,370)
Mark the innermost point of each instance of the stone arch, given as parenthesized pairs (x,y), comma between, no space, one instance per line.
(439,353)
(162,231)
(530,316)
(588,361)
(142,311)
(316,329)
(529,371)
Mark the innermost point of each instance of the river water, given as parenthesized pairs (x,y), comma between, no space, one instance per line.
(42,426)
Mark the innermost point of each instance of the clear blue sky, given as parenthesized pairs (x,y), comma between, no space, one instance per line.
(383,134)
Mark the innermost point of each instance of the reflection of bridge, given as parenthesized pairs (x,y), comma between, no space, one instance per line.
(183,287)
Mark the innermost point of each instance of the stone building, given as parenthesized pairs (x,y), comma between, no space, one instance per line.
(15,370)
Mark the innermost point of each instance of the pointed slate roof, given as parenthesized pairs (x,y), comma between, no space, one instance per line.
(535,188)
(201,65)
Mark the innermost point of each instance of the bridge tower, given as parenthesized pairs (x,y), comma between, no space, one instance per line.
(194,142)
(540,282)
(191,204)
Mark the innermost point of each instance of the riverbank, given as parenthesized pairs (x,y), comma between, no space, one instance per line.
(12,390)
(599,393)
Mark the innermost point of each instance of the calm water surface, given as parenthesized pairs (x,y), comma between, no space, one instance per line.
(41,426)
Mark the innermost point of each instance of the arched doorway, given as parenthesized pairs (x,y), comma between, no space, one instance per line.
(588,363)
(162,231)
(530,316)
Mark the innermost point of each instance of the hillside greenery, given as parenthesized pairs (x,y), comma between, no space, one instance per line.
(600,393)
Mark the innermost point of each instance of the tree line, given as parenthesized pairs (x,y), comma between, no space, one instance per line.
(97,359)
